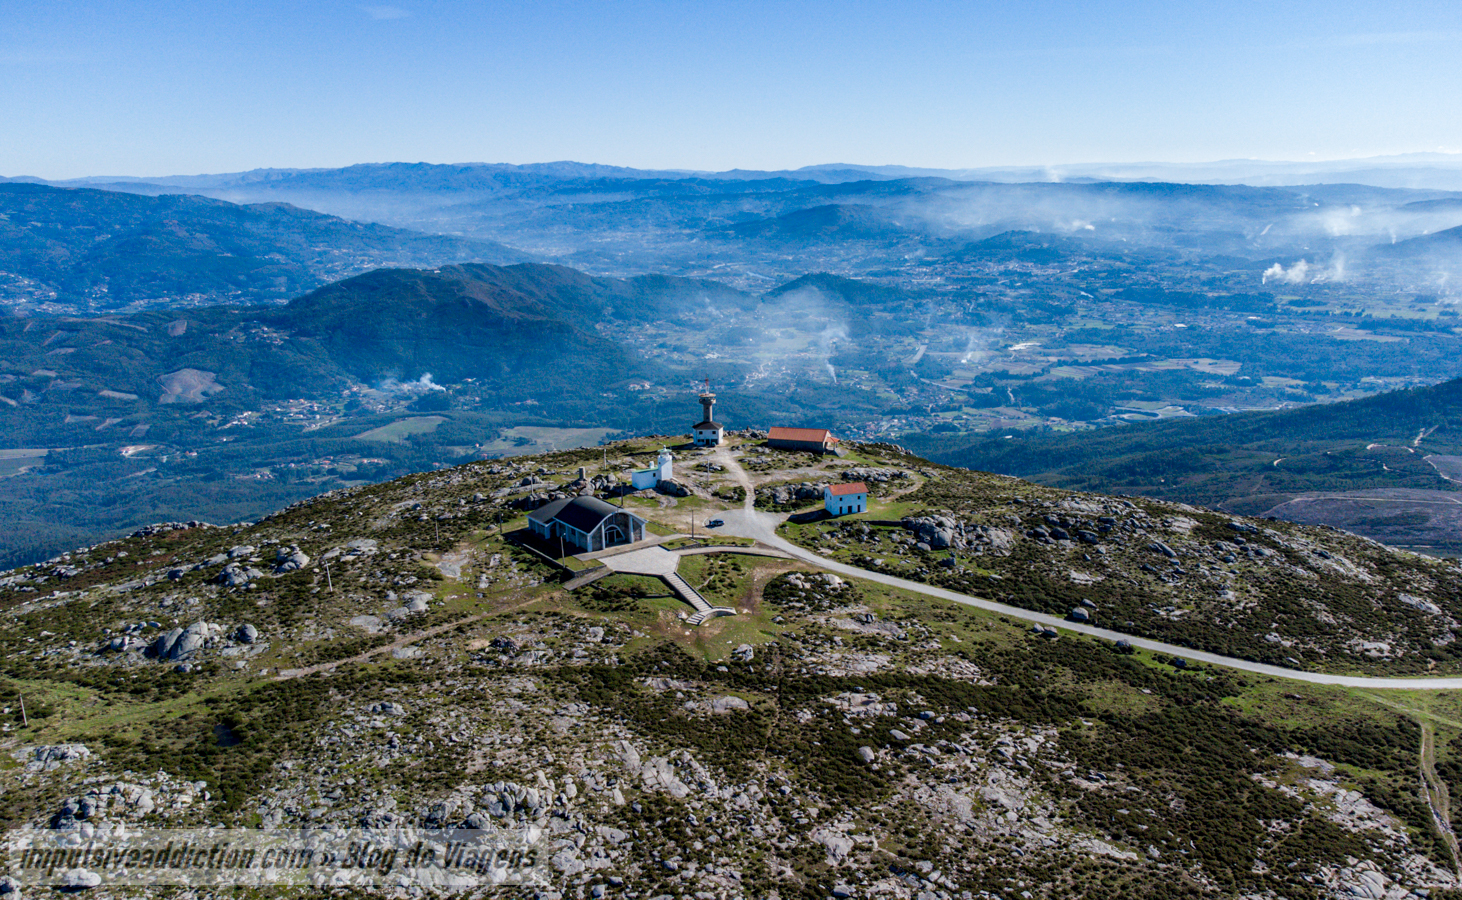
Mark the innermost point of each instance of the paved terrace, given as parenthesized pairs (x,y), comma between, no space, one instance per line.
(647,558)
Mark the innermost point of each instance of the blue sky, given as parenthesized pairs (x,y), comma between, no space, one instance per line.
(201,86)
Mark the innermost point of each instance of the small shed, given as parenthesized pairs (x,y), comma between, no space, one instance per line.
(586,523)
(845,499)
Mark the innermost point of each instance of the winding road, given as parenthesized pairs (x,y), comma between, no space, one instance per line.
(752,523)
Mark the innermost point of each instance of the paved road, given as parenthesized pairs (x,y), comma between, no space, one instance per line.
(752,523)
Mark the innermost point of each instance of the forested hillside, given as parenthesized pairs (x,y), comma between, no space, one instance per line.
(64,250)
(1247,462)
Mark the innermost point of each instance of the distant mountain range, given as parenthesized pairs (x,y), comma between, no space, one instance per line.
(1435,171)
(745,226)
(92,250)
(830,222)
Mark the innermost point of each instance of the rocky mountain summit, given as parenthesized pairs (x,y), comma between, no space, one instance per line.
(404,654)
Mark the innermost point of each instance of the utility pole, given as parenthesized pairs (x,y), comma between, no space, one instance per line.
(23,719)
(329,582)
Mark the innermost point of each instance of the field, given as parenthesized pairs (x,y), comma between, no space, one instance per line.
(525,439)
(399,430)
(15,461)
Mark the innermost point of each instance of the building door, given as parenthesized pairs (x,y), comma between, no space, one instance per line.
(613,534)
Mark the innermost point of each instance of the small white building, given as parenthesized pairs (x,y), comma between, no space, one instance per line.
(708,432)
(645,479)
(845,499)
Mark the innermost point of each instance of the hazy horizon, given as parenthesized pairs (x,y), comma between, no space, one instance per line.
(112,88)
(1052,171)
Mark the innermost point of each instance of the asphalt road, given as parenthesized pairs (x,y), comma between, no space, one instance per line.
(752,523)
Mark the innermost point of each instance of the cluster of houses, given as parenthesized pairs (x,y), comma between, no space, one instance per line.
(837,499)
(588,524)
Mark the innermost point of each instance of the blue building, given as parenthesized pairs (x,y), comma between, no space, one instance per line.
(586,523)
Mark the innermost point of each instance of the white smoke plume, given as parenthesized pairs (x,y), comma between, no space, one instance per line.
(1295,274)
(977,342)
(422,385)
(812,317)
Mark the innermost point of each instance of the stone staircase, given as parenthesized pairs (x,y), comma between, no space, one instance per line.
(703,609)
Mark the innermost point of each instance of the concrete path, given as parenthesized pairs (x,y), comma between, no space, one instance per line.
(752,523)
(650,540)
(656,561)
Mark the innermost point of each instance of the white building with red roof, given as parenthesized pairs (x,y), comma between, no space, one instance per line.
(845,499)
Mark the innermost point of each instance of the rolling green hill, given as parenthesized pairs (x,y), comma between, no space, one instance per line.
(866,294)
(525,329)
(829,222)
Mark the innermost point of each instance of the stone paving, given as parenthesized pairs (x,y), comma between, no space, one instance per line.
(656,561)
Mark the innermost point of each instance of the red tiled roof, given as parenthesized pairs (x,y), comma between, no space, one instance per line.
(852,487)
(811,435)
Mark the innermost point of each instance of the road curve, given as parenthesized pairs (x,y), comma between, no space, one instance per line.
(749,522)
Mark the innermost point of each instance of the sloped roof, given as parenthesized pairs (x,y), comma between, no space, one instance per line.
(580,513)
(810,435)
(852,487)
(707,424)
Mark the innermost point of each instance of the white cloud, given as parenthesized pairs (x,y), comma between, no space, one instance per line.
(385,12)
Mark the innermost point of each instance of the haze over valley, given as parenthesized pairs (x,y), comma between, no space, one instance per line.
(926,310)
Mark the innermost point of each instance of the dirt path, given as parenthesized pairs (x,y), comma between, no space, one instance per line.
(723,457)
(915,482)
(1436,793)
(732,465)
(403,641)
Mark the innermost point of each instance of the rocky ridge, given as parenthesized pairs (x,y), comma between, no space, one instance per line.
(392,659)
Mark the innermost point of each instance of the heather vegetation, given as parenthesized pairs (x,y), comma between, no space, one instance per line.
(834,731)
